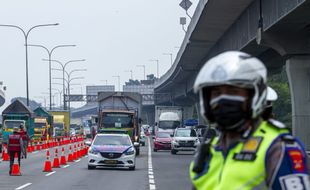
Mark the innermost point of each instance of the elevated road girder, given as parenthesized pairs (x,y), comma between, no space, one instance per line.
(221,25)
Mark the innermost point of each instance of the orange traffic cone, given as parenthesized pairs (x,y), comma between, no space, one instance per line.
(75,157)
(56,160)
(70,156)
(38,147)
(5,155)
(48,164)
(15,168)
(29,148)
(63,157)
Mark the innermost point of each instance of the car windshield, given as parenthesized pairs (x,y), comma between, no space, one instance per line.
(186,133)
(169,124)
(39,125)
(112,140)
(12,124)
(59,125)
(117,120)
(163,135)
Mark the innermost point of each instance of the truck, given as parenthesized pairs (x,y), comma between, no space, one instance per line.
(42,125)
(16,114)
(168,118)
(61,123)
(119,112)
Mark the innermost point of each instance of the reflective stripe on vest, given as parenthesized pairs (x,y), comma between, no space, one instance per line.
(237,174)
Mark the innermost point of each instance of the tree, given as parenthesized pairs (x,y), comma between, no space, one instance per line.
(282,107)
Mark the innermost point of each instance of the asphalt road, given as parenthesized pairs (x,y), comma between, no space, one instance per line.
(168,172)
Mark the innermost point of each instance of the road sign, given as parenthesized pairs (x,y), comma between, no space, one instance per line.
(185,4)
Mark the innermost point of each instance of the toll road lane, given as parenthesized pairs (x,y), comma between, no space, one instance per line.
(75,175)
(31,170)
(171,172)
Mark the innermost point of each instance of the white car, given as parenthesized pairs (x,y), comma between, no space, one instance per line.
(184,139)
(142,138)
(112,150)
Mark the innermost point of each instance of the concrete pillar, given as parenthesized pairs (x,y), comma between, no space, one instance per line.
(188,112)
(298,71)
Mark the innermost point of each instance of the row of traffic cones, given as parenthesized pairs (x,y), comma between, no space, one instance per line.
(53,143)
(79,151)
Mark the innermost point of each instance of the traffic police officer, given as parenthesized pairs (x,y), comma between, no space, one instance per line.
(249,153)
(14,146)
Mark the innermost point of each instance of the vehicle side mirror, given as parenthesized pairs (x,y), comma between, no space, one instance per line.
(88,143)
(136,144)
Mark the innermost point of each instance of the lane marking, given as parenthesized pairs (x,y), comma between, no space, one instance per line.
(50,173)
(152,187)
(23,186)
(65,166)
(35,152)
(150,167)
(77,160)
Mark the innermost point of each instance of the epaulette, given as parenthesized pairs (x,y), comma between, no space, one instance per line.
(276,124)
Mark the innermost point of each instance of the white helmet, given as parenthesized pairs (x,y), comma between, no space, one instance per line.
(236,69)
(271,94)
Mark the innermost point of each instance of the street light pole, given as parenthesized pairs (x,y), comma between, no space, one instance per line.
(130,73)
(49,60)
(119,84)
(106,82)
(63,74)
(157,61)
(143,70)
(170,57)
(26,34)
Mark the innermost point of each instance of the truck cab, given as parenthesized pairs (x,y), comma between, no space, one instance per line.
(41,127)
(168,122)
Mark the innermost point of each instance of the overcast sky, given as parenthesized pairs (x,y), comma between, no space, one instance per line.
(113,36)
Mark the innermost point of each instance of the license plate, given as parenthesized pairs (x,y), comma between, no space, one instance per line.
(110,161)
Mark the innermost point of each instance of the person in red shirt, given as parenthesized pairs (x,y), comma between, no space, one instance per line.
(14,146)
(25,139)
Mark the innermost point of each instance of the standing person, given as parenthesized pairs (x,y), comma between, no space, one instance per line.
(25,138)
(250,153)
(14,146)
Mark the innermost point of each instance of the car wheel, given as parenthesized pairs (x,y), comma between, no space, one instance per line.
(132,168)
(173,151)
(91,167)
(155,150)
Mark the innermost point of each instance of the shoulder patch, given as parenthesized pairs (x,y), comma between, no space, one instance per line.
(276,124)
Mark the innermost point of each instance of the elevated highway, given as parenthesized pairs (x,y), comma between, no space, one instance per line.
(280,39)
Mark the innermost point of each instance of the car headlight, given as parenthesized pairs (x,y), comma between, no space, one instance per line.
(92,151)
(130,151)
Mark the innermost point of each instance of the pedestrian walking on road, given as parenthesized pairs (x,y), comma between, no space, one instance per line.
(25,139)
(15,144)
(250,152)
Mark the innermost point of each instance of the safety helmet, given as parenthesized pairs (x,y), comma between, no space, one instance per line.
(235,69)
(271,94)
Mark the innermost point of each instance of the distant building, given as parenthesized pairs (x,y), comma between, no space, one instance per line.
(144,87)
(93,90)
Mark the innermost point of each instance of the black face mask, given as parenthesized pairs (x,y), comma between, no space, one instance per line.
(228,112)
